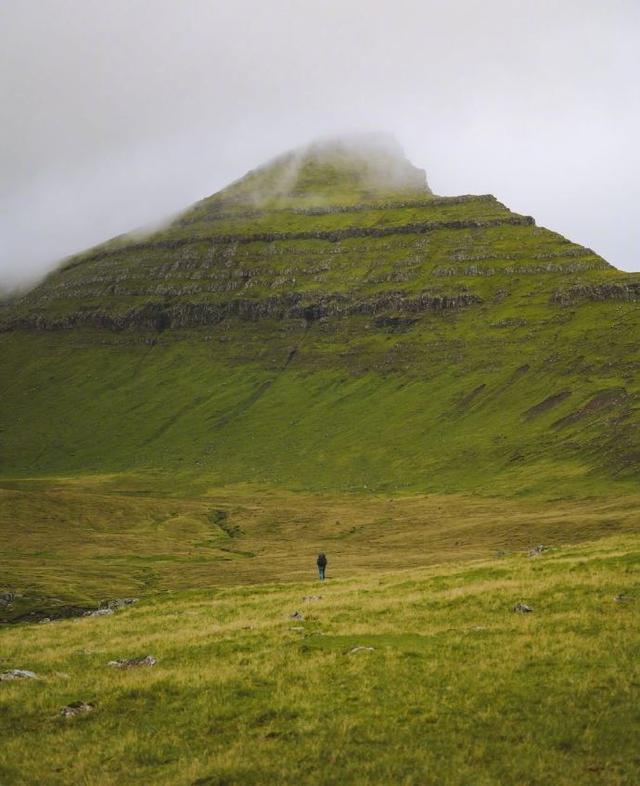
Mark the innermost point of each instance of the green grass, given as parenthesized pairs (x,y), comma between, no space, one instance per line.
(457,690)
(79,540)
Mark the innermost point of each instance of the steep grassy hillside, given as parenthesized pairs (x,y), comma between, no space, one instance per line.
(420,677)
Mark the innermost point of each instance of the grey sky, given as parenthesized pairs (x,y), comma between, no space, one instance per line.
(118,113)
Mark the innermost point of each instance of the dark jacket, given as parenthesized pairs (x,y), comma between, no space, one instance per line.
(322,561)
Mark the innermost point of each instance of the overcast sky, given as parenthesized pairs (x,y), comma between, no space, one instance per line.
(117,113)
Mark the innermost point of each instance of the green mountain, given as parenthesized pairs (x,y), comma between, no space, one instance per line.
(326,322)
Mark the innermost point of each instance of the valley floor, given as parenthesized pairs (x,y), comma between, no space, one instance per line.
(77,540)
(420,676)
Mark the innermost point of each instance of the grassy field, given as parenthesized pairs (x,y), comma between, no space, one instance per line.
(79,540)
(456,688)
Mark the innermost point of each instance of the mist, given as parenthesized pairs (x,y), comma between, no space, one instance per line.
(120,114)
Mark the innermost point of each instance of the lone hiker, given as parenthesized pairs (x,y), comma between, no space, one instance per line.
(322,565)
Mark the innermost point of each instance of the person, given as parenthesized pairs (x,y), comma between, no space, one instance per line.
(322,565)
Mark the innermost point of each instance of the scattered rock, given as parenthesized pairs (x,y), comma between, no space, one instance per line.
(536,551)
(297,616)
(18,674)
(99,613)
(311,598)
(522,608)
(117,603)
(44,620)
(148,660)
(623,598)
(76,708)
(360,649)
(6,598)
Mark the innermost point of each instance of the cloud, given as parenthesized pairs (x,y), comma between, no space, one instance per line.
(118,114)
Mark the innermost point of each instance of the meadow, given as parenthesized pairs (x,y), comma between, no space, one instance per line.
(417,676)
(77,540)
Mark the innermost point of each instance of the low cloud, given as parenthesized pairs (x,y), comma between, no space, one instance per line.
(120,114)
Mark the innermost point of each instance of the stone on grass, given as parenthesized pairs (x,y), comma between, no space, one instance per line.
(536,551)
(522,608)
(361,649)
(17,674)
(98,613)
(117,603)
(76,708)
(6,598)
(297,616)
(130,663)
(623,598)
(310,598)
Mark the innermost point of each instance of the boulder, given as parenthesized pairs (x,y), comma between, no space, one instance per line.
(17,674)
(522,608)
(117,603)
(76,708)
(6,599)
(98,613)
(130,663)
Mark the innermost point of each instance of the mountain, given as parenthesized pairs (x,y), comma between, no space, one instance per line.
(326,322)
(324,356)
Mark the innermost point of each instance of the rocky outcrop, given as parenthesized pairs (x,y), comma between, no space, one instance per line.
(605,291)
(333,236)
(161,316)
(522,269)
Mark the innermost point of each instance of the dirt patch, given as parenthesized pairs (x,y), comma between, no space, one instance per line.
(519,372)
(603,399)
(467,400)
(548,403)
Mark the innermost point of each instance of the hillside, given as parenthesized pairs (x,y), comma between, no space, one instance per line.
(319,342)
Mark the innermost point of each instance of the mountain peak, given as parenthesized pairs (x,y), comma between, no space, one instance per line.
(333,169)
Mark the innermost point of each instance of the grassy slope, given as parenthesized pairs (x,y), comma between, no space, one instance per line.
(441,407)
(457,690)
